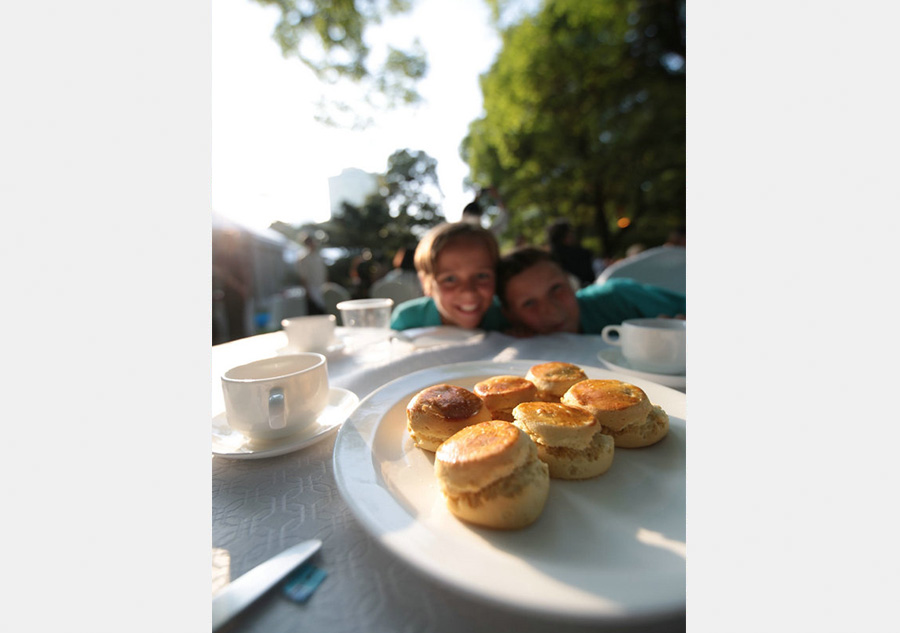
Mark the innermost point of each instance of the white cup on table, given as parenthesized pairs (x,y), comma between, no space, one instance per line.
(313,333)
(652,345)
(276,397)
(367,321)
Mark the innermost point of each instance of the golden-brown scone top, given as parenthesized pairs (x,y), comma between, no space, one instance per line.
(623,410)
(447,401)
(502,393)
(553,379)
(614,403)
(439,411)
(569,439)
(556,424)
(489,474)
(480,454)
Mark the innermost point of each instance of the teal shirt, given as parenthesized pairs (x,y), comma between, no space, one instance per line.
(423,312)
(612,302)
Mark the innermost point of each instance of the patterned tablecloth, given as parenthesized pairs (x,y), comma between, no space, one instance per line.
(263,506)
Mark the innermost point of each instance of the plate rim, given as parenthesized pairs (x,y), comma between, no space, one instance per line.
(286,447)
(381,534)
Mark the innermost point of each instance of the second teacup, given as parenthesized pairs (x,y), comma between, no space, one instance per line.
(652,345)
(313,333)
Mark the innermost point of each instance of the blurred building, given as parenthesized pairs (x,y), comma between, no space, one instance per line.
(352,186)
(267,258)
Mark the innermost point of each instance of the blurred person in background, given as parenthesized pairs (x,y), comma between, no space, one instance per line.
(313,273)
(634,249)
(404,270)
(231,278)
(475,211)
(677,237)
(571,255)
(364,271)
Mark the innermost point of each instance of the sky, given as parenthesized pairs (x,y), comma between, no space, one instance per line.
(271,160)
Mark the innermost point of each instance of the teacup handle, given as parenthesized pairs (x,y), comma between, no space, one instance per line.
(276,409)
(606,333)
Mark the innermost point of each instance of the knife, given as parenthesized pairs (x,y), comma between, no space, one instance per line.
(241,593)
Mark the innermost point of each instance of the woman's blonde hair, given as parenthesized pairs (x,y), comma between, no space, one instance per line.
(437,239)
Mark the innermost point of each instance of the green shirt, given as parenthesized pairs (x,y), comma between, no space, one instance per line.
(612,302)
(423,312)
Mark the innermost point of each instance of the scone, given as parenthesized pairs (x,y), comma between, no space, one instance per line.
(501,394)
(569,439)
(439,411)
(553,379)
(490,475)
(622,409)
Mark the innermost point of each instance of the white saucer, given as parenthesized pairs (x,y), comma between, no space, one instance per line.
(612,358)
(334,348)
(229,443)
(432,336)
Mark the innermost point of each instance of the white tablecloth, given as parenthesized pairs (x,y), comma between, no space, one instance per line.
(261,507)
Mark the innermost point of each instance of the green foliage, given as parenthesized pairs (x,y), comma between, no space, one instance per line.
(408,184)
(585,118)
(398,214)
(328,36)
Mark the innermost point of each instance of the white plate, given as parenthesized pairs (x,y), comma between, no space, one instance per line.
(229,443)
(608,549)
(439,335)
(612,358)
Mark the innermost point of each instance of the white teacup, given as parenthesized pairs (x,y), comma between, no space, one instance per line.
(313,333)
(652,345)
(276,397)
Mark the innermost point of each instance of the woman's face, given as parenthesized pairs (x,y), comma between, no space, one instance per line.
(542,300)
(463,283)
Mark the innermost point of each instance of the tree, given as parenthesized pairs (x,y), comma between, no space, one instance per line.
(409,183)
(585,118)
(396,216)
(328,37)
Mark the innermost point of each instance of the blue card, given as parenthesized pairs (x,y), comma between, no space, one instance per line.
(302,583)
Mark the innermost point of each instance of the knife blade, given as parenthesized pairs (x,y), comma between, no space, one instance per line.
(242,592)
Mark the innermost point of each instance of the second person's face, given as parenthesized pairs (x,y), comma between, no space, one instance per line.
(463,283)
(542,299)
